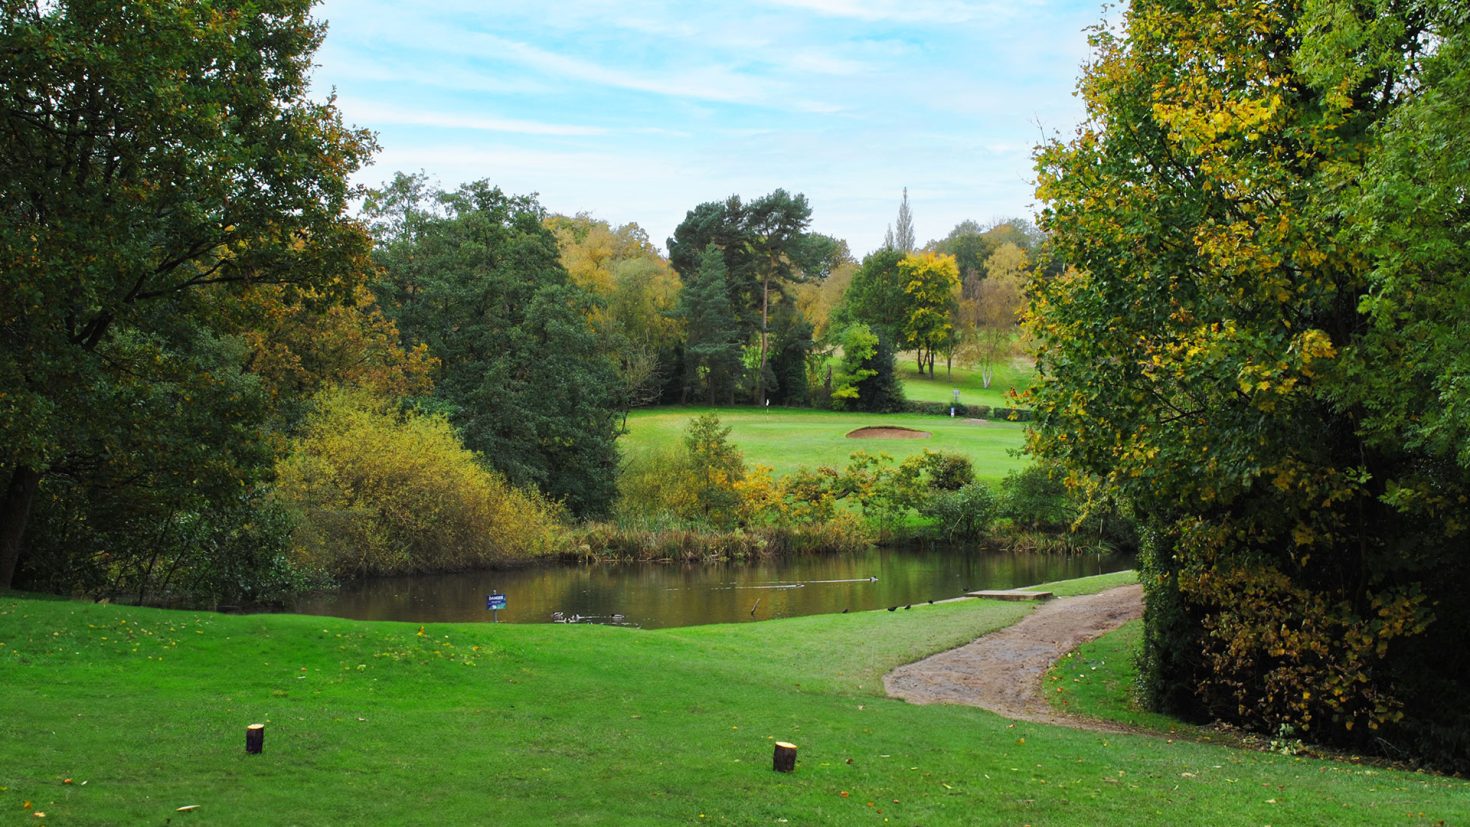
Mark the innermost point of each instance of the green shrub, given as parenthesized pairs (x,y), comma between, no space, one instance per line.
(944,471)
(962,514)
(716,468)
(1011,414)
(655,487)
(235,553)
(1036,498)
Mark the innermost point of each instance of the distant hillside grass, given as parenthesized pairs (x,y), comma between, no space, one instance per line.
(789,438)
(1017,373)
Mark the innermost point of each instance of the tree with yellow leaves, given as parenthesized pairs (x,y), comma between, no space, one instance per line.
(1238,220)
(932,284)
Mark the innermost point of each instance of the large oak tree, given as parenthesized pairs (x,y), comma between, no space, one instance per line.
(155,156)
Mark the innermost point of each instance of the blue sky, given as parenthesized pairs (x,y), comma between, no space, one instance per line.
(638,111)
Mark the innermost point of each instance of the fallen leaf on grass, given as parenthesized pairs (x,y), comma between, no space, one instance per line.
(187,808)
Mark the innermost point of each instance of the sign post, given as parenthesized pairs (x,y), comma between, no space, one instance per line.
(495,601)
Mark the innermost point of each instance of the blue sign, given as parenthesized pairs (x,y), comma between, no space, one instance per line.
(495,602)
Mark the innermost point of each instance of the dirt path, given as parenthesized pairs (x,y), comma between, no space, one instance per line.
(1003,671)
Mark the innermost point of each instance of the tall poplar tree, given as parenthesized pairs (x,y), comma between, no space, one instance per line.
(900,236)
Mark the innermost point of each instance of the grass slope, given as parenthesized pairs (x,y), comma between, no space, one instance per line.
(789,438)
(388,723)
(1098,680)
(1018,374)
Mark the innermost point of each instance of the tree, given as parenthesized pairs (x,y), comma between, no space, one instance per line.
(993,313)
(297,349)
(871,372)
(900,236)
(157,156)
(970,246)
(638,291)
(931,284)
(766,249)
(1243,212)
(859,345)
(818,301)
(476,275)
(712,352)
(876,295)
(791,349)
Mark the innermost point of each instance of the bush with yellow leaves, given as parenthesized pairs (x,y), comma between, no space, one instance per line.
(376,490)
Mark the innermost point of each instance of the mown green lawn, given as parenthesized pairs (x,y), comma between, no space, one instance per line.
(789,438)
(1017,373)
(119,715)
(1098,679)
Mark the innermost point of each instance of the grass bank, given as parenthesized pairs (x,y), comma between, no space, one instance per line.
(789,438)
(116,714)
(1017,373)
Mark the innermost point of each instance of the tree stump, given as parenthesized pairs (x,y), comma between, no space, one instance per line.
(785,758)
(254,738)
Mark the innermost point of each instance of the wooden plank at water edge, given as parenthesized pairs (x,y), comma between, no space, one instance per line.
(1011,594)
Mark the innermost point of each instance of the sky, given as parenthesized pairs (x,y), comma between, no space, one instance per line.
(638,111)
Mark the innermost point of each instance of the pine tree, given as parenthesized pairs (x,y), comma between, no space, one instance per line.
(712,356)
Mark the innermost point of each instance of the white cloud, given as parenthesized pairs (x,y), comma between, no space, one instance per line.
(638,110)
(378,113)
(904,11)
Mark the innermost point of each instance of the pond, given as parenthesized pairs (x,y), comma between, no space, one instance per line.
(654,595)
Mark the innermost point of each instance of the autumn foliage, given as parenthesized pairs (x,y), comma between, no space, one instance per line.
(378,491)
(1217,358)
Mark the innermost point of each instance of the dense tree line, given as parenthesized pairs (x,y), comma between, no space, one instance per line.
(212,372)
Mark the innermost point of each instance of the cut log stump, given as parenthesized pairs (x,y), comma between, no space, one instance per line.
(785,758)
(255,738)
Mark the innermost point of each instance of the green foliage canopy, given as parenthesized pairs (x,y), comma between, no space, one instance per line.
(477,276)
(156,156)
(1243,208)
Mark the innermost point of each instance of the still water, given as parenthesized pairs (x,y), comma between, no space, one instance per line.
(652,595)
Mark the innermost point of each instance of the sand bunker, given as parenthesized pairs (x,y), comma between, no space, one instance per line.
(891,432)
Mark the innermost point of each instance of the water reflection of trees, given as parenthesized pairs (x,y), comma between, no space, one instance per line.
(679,594)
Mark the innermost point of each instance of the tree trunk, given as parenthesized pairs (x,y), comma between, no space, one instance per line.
(15,512)
(784,757)
(255,739)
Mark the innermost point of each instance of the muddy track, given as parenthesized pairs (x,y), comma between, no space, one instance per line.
(1004,670)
